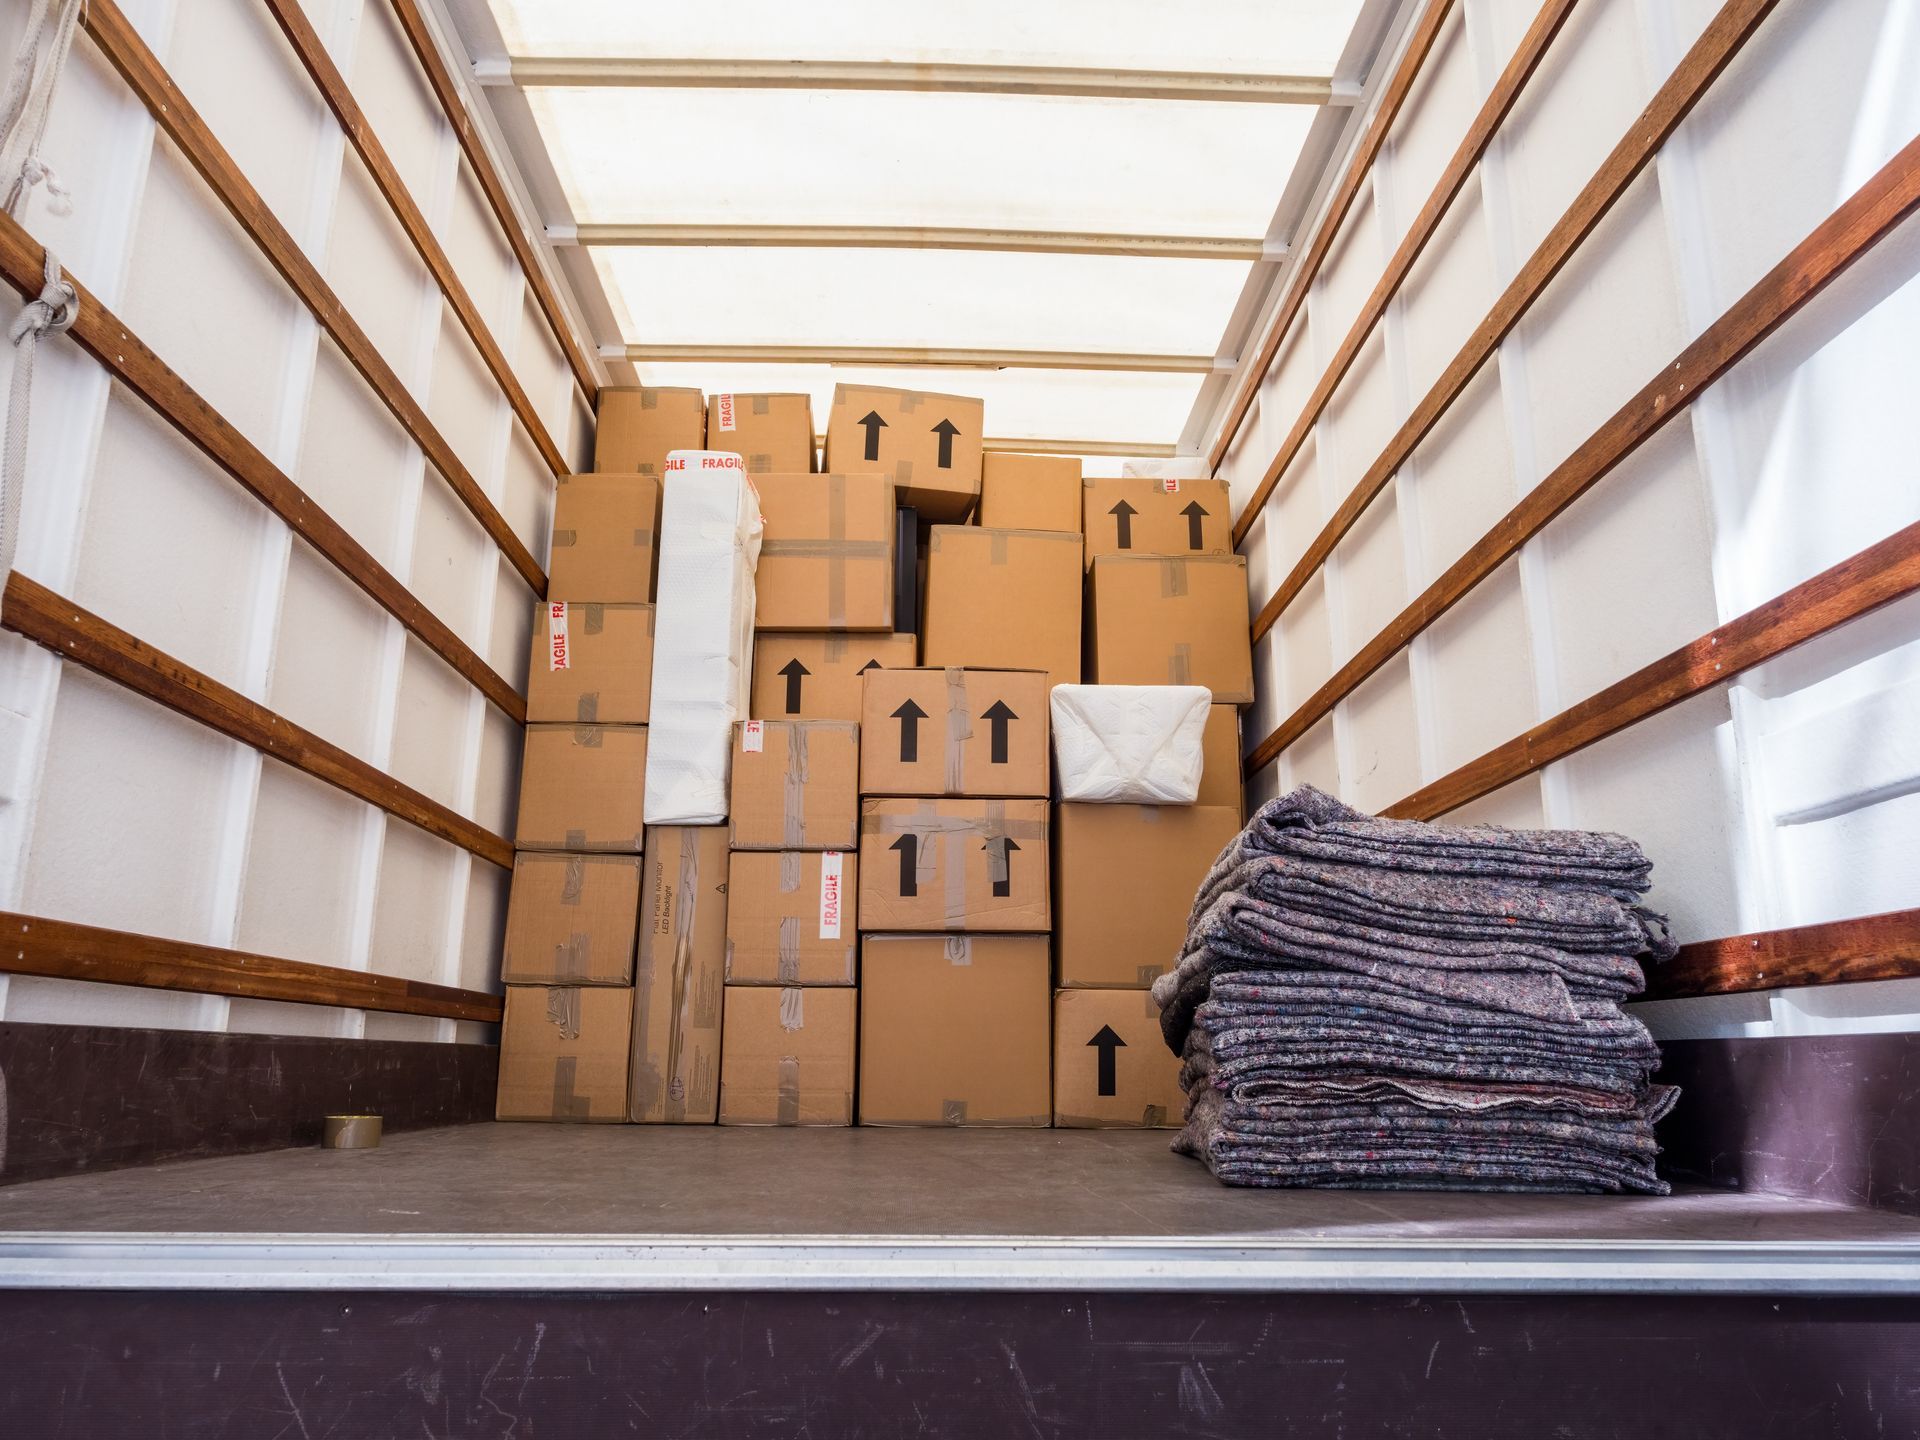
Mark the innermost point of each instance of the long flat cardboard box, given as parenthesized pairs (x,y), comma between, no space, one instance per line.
(954,731)
(1030,492)
(804,676)
(1111,1068)
(1220,779)
(563,1053)
(788,1057)
(792,917)
(773,433)
(826,559)
(1136,516)
(637,426)
(591,663)
(583,788)
(1004,600)
(796,785)
(958,865)
(606,531)
(571,920)
(678,982)
(928,445)
(1172,622)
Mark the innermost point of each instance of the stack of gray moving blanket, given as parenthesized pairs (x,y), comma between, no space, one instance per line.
(1390,1004)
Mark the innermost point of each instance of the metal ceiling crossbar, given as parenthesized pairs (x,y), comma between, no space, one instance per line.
(925,237)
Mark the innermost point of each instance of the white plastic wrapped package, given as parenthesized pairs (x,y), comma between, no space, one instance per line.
(1129,744)
(703,634)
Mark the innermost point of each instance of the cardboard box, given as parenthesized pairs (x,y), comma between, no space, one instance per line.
(571,920)
(1030,492)
(563,1053)
(772,433)
(1124,881)
(637,427)
(1111,1068)
(583,788)
(800,676)
(591,664)
(953,865)
(928,445)
(792,917)
(1172,622)
(1004,600)
(1220,780)
(795,785)
(678,982)
(788,1058)
(826,558)
(605,538)
(954,732)
(954,1030)
(1157,517)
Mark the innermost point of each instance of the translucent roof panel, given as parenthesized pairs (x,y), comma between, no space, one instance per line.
(1291,37)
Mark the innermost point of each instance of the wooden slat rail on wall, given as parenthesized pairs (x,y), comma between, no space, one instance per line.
(62,950)
(1840,952)
(99,332)
(448,93)
(28,608)
(1691,79)
(353,121)
(148,79)
(1861,222)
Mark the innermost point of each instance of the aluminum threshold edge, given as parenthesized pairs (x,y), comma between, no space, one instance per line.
(102,1261)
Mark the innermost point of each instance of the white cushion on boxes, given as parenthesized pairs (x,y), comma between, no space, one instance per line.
(1129,744)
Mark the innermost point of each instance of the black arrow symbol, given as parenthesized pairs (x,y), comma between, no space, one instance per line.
(1003,887)
(909,715)
(999,714)
(946,430)
(1195,513)
(870,665)
(793,670)
(1110,1044)
(909,848)
(1126,513)
(874,425)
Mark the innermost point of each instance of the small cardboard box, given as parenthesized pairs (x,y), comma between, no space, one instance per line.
(772,433)
(591,664)
(571,920)
(1030,492)
(798,676)
(636,426)
(605,538)
(583,788)
(1111,1067)
(1004,600)
(953,865)
(1220,780)
(928,445)
(1172,622)
(954,732)
(795,785)
(826,561)
(563,1053)
(954,1030)
(678,982)
(791,917)
(1135,516)
(1124,881)
(788,1057)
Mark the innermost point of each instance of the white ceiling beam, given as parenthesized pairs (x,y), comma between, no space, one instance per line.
(911,355)
(918,237)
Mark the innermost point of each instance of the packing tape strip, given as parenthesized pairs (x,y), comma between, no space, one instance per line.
(588,737)
(959,950)
(596,616)
(789,950)
(587,708)
(793,798)
(959,730)
(953,1112)
(572,957)
(793,1009)
(568,1103)
(1173,579)
(789,871)
(563,1011)
(837,563)
(1180,664)
(573,880)
(787,1106)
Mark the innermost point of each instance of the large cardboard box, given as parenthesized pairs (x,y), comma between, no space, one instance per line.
(1220,780)
(605,538)
(788,1057)
(800,676)
(962,865)
(1004,600)
(796,785)
(1172,622)
(571,920)
(792,917)
(954,732)
(772,433)
(678,982)
(563,1053)
(1111,1067)
(1030,492)
(1124,881)
(591,663)
(954,1030)
(637,427)
(1134,516)
(928,445)
(583,788)
(826,558)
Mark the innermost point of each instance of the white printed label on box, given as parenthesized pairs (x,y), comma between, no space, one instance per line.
(723,409)
(830,895)
(557,658)
(753,737)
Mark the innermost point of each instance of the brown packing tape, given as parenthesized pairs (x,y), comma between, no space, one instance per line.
(573,880)
(649,399)
(563,1011)
(836,649)
(1180,664)
(837,565)
(793,1009)
(572,958)
(793,798)
(959,730)
(576,840)
(587,708)
(787,1111)
(953,1112)
(996,547)
(903,472)
(1147,974)
(565,539)
(789,957)
(908,400)
(761,404)
(588,737)
(1173,579)
(568,1103)
(959,950)
(643,539)
(686,909)
(789,871)
(594,617)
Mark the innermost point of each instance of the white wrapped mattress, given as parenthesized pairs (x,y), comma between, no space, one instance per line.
(1129,744)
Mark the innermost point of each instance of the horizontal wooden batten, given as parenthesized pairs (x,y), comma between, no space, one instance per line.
(1861,222)
(28,608)
(919,237)
(353,121)
(1840,952)
(100,333)
(1689,82)
(62,950)
(1506,91)
(142,71)
(440,80)
(1345,193)
(919,355)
